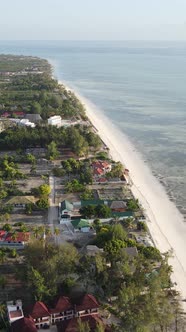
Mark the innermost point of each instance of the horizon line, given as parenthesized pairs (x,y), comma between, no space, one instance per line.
(94,40)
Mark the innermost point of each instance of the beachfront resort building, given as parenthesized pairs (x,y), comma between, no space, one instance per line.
(40,314)
(99,169)
(23,325)
(65,312)
(55,120)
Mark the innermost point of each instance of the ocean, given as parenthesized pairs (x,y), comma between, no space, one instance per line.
(139,86)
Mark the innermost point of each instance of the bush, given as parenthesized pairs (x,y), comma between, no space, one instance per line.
(19,223)
(57,171)
(141,226)
(151,253)
(7,227)
(43,203)
(29,208)
(13,253)
(74,186)
(102,155)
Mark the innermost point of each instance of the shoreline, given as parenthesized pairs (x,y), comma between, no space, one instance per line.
(164,221)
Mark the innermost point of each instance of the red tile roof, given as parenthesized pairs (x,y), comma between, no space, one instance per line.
(63,304)
(100,164)
(105,164)
(23,325)
(15,313)
(6,114)
(2,235)
(38,310)
(18,113)
(88,301)
(72,324)
(98,171)
(20,237)
(102,180)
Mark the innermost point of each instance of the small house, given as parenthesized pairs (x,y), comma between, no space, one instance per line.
(14,240)
(26,123)
(118,206)
(19,114)
(66,207)
(20,202)
(35,118)
(92,250)
(100,168)
(132,252)
(14,310)
(65,210)
(55,120)
(81,225)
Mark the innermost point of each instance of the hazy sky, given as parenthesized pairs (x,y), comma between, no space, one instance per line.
(93,19)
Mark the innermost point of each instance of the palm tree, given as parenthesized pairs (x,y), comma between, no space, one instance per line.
(128,223)
(2,256)
(115,220)
(2,312)
(48,231)
(6,217)
(14,236)
(42,232)
(56,232)
(36,232)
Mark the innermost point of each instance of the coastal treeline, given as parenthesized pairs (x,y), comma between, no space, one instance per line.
(78,138)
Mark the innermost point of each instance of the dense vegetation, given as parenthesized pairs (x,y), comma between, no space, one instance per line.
(14,63)
(135,287)
(37,93)
(76,138)
(141,284)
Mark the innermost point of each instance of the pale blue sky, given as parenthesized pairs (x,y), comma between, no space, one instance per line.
(93,19)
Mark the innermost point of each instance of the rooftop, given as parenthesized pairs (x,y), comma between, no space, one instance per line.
(15,313)
(80,223)
(17,237)
(63,304)
(66,205)
(118,205)
(131,251)
(38,310)
(72,324)
(93,250)
(23,325)
(86,302)
(21,200)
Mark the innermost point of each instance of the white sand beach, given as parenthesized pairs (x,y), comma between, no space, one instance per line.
(164,220)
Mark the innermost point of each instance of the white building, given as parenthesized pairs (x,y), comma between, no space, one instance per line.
(27,123)
(55,120)
(15,310)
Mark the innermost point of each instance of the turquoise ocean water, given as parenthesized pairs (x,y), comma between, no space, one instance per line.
(140,87)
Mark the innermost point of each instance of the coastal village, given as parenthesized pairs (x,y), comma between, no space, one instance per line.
(75,251)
